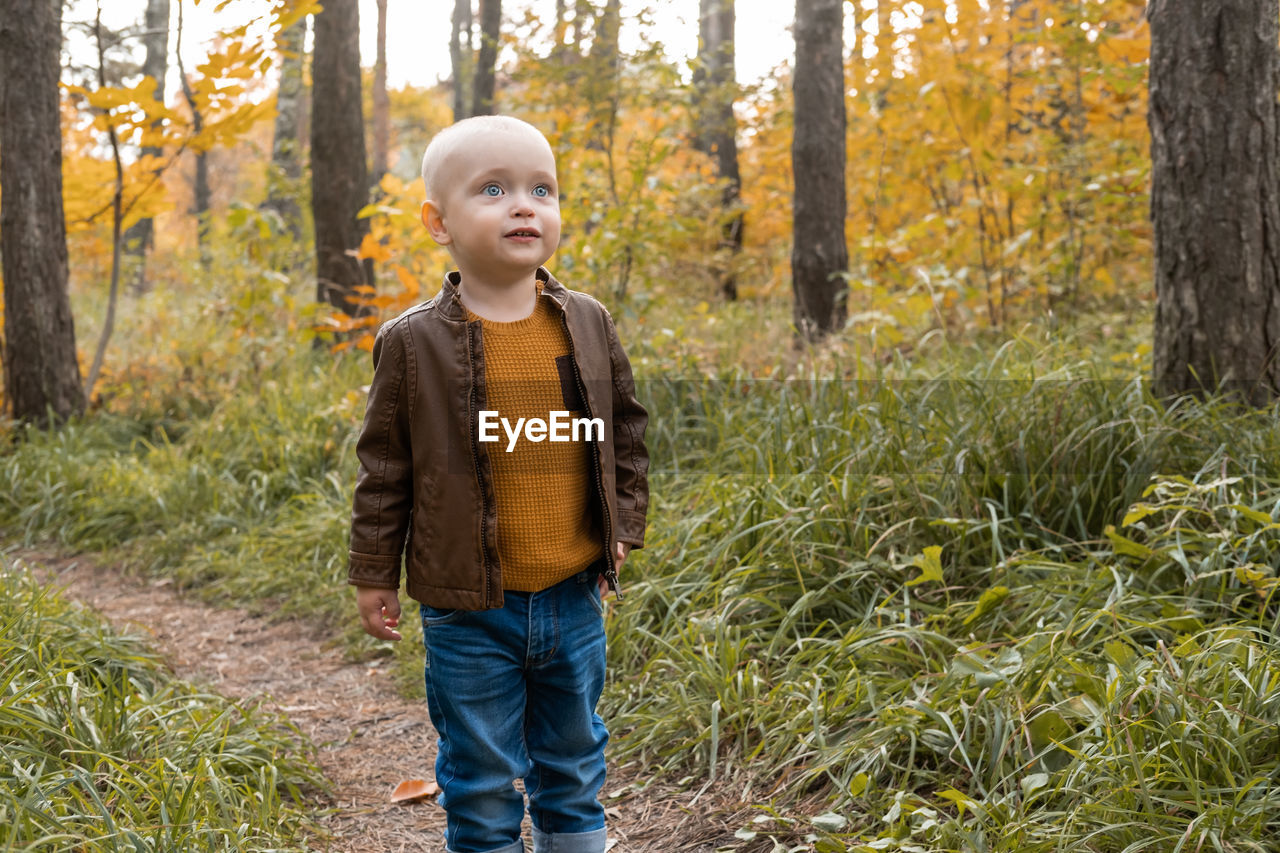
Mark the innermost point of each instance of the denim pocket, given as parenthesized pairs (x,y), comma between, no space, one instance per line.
(591,590)
(435,616)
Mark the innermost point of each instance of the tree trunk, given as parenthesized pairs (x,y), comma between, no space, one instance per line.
(117,218)
(41,374)
(884,43)
(819,255)
(140,237)
(715,85)
(286,143)
(1215,202)
(200,187)
(339,176)
(381,105)
(604,43)
(487,60)
(200,197)
(599,83)
(559,49)
(582,15)
(461,57)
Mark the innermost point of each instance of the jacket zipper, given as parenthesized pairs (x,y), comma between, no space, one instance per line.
(475,459)
(610,571)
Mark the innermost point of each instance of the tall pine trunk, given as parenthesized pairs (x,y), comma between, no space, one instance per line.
(286,141)
(41,375)
(462,58)
(582,23)
(381,105)
(819,255)
(559,52)
(339,176)
(487,57)
(882,65)
(1215,200)
(596,81)
(200,194)
(140,237)
(716,135)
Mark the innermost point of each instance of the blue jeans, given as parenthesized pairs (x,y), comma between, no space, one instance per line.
(512,693)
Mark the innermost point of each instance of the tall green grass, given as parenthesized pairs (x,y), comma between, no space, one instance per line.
(979,612)
(248,504)
(102,749)
(972,601)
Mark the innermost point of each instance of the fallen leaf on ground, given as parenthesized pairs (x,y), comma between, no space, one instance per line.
(414,789)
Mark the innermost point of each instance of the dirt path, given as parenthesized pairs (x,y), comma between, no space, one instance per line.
(368,738)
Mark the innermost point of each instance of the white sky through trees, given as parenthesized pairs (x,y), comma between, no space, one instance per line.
(418,31)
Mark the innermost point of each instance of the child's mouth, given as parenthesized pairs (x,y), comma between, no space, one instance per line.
(523,234)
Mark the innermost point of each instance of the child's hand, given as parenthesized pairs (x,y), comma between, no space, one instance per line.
(379,611)
(620,552)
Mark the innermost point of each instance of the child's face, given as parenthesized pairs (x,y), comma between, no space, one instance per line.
(499,208)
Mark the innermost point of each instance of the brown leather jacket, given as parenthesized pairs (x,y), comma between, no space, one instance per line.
(425,488)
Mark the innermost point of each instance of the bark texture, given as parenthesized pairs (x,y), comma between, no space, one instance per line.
(41,374)
(604,42)
(559,54)
(339,176)
(461,58)
(1215,203)
(716,135)
(583,15)
(598,79)
(487,57)
(140,237)
(200,194)
(286,142)
(381,104)
(819,255)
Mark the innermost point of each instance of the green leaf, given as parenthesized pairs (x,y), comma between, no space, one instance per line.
(1034,782)
(1125,546)
(829,822)
(930,564)
(1048,728)
(1136,514)
(1119,653)
(859,785)
(988,603)
(1251,513)
(1188,646)
(960,798)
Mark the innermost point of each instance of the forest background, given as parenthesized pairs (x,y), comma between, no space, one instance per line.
(950,578)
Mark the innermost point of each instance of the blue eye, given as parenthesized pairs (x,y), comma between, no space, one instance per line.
(541,191)
(492,190)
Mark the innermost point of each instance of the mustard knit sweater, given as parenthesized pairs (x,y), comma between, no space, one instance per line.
(546,528)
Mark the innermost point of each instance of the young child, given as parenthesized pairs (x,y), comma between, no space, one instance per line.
(503,455)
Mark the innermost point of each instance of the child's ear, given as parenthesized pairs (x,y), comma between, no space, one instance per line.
(433,218)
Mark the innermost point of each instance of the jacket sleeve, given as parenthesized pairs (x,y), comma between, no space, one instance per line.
(630,454)
(384,487)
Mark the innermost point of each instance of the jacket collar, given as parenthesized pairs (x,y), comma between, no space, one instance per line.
(450,305)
